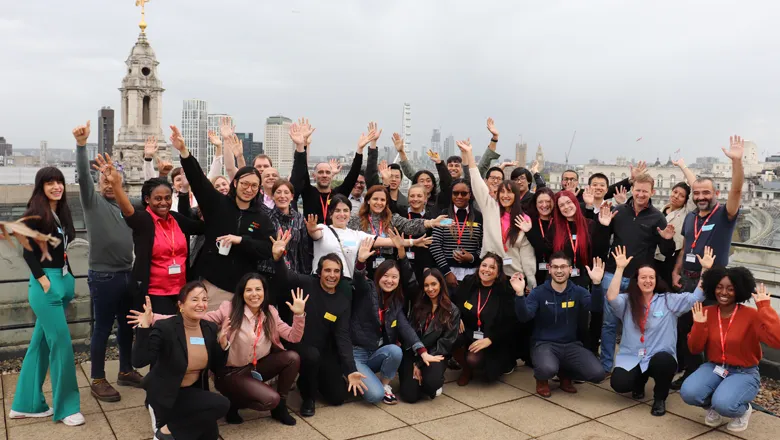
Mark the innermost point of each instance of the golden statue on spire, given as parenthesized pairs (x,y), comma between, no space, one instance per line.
(142,24)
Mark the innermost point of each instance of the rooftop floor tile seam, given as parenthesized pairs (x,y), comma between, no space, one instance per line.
(587,419)
(616,429)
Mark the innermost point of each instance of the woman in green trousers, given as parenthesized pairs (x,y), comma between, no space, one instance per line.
(51,289)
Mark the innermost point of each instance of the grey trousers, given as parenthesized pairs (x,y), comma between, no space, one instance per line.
(571,360)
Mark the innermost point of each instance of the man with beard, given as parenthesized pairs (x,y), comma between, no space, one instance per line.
(712,225)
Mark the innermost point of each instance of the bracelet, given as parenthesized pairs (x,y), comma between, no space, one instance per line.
(494,140)
(411,242)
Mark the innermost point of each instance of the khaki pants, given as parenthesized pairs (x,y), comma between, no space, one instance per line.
(216,295)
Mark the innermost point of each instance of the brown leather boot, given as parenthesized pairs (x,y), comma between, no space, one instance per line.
(129,379)
(102,390)
(566,386)
(543,388)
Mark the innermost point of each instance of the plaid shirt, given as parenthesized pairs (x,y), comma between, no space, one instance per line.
(297,258)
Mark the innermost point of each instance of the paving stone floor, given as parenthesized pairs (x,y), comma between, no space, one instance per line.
(509,409)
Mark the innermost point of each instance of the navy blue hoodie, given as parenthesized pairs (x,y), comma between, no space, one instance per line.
(556,313)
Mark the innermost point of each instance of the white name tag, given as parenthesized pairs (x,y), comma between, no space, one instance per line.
(642,352)
(543,266)
(378,261)
(507,261)
(479,335)
(64,270)
(575,272)
(690,258)
(410,255)
(174,269)
(721,371)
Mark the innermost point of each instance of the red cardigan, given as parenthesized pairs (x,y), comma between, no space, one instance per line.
(750,328)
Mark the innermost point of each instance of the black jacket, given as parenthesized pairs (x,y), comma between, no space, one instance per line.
(397,206)
(142,224)
(164,346)
(222,217)
(299,177)
(498,320)
(364,325)
(639,234)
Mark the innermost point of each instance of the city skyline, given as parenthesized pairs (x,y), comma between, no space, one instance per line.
(685,81)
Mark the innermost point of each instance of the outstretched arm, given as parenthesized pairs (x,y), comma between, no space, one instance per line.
(735,152)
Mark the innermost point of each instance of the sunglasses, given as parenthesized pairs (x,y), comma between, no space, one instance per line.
(460,193)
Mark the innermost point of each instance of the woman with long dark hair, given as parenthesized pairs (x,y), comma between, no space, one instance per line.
(680,204)
(649,313)
(52,287)
(181,351)
(435,319)
(378,322)
(729,380)
(486,303)
(541,234)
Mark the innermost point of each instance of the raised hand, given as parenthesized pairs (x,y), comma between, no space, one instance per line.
(597,273)
(465,146)
(679,162)
(491,126)
(105,166)
(620,257)
(364,140)
(641,167)
(142,319)
(366,249)
(224,334)
(422,242)
(708,259)
(508,164)
(587,196)
(384,172)
(667,232)
(398,239)
(523,222)
(150,146)
(177,140)
(226,127)
(736,148)
(398,142)
(335,166)
(534,167)
(428,358)
(374,132)
(699,314)
(518,283)
(81,133)
(434,156)
(621,195)
(761,294)
(213,138)
(279,244)
(307,129)
(606,214)
(164,168)
(355,383)
(311,223)
(296,135)
(299,302)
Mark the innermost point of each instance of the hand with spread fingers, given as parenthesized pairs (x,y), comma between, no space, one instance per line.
(279,244)
(366,249)
(621,261)
(699,314)
(299,302)
(761,294)
(596,274)
(708,259)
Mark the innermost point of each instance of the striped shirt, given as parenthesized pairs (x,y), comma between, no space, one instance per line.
(445,241)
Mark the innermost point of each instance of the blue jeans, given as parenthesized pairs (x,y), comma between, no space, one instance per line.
(729,397)
(609,326)
(111,300)
(385,360)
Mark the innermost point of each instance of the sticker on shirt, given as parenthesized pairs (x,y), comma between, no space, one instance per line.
(707,228)
(350,243)
(467,305)
(658,314)
(330,317)
(507,261)
(197,341)
(543,266)
(395,323)
(474,224)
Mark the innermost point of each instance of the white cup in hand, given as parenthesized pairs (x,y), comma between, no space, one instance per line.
(224,247)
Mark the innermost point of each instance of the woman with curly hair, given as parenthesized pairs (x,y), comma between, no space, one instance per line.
(730,334)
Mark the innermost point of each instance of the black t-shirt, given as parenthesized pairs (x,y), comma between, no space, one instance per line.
(715,233)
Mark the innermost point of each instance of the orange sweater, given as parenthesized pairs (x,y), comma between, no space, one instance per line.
(750,328)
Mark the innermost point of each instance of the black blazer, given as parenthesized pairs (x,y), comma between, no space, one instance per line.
(164,345)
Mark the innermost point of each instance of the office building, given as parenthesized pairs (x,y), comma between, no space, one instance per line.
(105,131)
(194,128)
(278,145)
(436,142)
(449,147)
(251,147)
(6,152)
(43,153)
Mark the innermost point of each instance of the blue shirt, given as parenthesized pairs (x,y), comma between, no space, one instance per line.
(660,330)
(715,234)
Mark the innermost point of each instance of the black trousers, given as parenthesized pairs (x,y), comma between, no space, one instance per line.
(662,368)
(320,371)
(687,361)
(432,379)
(194,414)
(494,359)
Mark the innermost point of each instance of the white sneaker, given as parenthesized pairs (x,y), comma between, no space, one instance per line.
(74,419)
(154,419)
(740,423)
(21,415)
(713,418)
(439,391)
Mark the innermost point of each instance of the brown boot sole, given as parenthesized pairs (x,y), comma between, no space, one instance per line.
(128,383)
(116,398)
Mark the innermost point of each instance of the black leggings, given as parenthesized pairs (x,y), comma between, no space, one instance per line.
(494,359)
(432,379)
(194,414)
(320,371)
(662,368)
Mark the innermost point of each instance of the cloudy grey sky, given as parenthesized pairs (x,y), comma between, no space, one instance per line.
(679,73)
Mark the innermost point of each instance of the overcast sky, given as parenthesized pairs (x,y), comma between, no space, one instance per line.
(681,74)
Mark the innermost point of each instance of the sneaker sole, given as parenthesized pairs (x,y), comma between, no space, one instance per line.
(30,416)
(127,383)
(106,399)
(713,424)
(390,403)
(737,429)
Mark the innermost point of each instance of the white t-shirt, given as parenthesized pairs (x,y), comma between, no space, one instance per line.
(350,241)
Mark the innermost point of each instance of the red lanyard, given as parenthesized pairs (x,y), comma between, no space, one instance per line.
(481,306)
(172,238)
(574,243)
(374,229)
(457,226)
(324,208)
(428,322)
(697,230)
(541,228)
(723,335)
(257,339)
(643,324)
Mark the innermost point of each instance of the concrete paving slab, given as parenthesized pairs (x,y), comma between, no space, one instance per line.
(352,420)
(425,410)
(479,394)
(534,416)
(469,426)
(638,422)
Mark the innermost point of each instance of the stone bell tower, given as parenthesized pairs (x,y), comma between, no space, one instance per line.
(141,110)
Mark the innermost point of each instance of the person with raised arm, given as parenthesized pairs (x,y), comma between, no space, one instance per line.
(234,223)
(541,211)
(51,289)
(557,349)
(110,274)
(419,256)
(181,351)
(438,194)
(524,178)
(730,334)
(711,224)
(326,348)
(649,313)
(317,198)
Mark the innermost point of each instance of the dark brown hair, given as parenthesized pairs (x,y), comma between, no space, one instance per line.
(424,305)
(365,209)
(39,205)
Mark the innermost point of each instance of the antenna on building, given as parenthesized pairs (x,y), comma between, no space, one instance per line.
(571,144)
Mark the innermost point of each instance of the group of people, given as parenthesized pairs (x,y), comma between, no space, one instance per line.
(469,270)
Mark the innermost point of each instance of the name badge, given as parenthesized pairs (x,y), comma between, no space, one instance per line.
(467,305)
(479,335)
(64,270)
(658,314)
(410,255)
(197,341)
(707,227)
(395,323)
(257,375)
(507,261)
(690,258)
(330,317)
(174,269)
(721,371)
(350,244)
(543,266)
(575,272)
(378,261)
(574,236)
(642,352)
(446,222)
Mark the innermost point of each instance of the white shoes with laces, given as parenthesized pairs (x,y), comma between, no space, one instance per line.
(739,424)
(74,419)
(713,418)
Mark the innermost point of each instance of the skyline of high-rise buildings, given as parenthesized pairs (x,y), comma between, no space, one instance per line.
(194,128)
(277,143)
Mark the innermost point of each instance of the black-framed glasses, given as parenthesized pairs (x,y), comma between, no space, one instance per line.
(460,193)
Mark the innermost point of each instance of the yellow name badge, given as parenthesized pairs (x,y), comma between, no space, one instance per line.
(467,305)
(473,224)
(395,322)
(331,318)
(567,304)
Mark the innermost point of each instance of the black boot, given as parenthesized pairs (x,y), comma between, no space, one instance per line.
(281,414)
(307,408)
(232,416)
(659,408)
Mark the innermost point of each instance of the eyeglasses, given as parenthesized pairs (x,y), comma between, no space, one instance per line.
(247,185)
(494,178)
(360,183)
(561,267)
(569,179)
(460,193)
